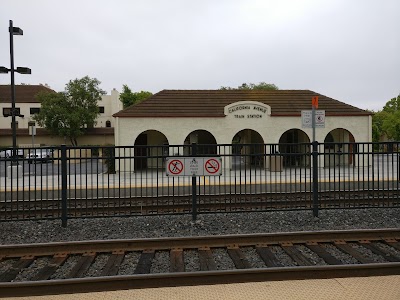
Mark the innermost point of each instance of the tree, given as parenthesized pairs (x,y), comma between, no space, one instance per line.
(392,105)
(252,86)
(387,121)
(391,125)
(128,98)
(68,113)
(377,125)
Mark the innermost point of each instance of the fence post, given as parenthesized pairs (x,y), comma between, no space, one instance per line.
(194,188)
(398,166)
(63,185)
(315,177)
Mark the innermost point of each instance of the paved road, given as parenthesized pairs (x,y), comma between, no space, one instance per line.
(47,169)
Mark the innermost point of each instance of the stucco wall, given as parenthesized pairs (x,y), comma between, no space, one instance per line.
(5,122)
(111,104)
(224,128)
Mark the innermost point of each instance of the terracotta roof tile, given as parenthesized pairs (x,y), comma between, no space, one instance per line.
(23,93)
(211,103)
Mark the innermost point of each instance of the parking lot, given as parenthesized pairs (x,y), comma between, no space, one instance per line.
(51,168)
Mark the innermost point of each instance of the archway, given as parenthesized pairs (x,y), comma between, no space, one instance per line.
(339,148)
(206,143)
(151,148)
(294,144)
(247,149)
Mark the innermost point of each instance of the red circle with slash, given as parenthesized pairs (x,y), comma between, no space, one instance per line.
(175,167)
(212,166)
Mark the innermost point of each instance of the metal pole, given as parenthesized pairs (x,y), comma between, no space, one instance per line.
(13,124)
(64,212)
(313,123)
(314,165)
(315,178)
(194,187)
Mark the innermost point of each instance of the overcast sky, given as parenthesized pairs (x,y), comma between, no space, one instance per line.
(345,49)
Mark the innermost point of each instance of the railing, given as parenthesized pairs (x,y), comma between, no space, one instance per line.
(73,182)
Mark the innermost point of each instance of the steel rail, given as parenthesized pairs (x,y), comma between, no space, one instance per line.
(113,283)
(216,203)
(197,242)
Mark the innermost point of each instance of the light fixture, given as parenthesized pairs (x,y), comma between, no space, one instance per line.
(22,70)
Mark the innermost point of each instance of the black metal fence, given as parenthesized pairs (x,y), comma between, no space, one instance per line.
(74,182)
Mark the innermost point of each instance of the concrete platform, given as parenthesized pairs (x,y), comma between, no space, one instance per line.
(363,288)
(154,179)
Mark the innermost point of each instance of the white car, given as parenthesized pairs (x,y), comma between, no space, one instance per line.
(40,155)
(8,153)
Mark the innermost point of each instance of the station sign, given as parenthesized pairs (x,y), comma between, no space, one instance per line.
(193,166)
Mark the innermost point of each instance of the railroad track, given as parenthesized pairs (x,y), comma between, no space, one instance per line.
(124,206)
(88,266)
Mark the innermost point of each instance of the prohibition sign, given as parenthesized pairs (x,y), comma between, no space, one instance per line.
(175,167)
(212,166)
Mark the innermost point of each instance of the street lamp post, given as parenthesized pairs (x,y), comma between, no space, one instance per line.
(22,70)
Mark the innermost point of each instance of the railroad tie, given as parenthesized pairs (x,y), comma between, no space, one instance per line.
(176,260)
(114,261)
(22,263)
(295,254)
(375,249)
(144,263)
(82,266)
(238,257)
(268,256)
(321,252)
(392,243)
(207,262)
(346,248)
(46,272)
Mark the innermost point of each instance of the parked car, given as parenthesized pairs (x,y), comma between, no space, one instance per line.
(40,155)
(8,153)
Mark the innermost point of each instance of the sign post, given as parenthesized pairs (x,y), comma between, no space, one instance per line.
(314,103)
(194,183)
(193,166)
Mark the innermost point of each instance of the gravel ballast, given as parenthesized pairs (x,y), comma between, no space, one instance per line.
(21,232)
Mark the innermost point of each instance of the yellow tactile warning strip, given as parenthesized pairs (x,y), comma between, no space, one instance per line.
(363,288)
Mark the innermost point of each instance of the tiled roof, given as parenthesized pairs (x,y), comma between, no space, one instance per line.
(211,103)
(23,93)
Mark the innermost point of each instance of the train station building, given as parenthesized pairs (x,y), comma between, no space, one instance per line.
(183,117)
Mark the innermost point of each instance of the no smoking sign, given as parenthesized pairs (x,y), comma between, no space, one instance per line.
(193,166)
(212,166)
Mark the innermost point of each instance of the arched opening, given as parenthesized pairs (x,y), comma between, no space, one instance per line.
(151,149)
(294,144)
(339,148)
(206,143)
(247,149)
